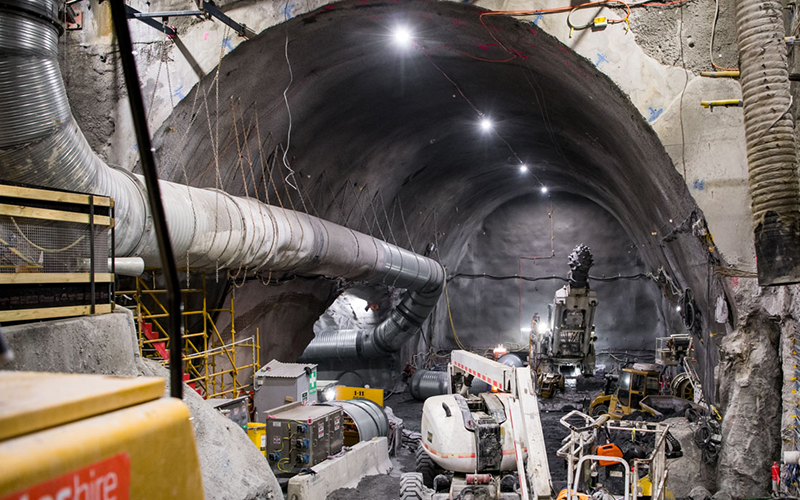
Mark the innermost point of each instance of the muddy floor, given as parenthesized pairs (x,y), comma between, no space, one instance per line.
(387,487)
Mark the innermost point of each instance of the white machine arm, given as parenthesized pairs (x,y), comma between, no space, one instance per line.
(537,469)
(524,411)
(497,375)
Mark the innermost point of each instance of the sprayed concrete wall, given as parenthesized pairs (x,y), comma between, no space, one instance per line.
(486,312)
(656,62)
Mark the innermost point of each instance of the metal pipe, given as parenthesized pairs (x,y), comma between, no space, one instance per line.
(369,418)
(769,131)
(41,143)
(170,13)
(126,266)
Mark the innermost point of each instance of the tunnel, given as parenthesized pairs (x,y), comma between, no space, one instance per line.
(476,155)
(411,163)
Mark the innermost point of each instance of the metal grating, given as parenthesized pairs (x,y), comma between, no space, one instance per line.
(41,246)
(54,252)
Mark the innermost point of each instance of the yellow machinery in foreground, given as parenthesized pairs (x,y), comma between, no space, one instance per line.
(65,436)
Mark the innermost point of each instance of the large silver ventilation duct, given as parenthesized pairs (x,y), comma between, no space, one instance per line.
(41,144)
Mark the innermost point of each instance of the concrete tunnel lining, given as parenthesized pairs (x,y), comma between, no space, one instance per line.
(367,116)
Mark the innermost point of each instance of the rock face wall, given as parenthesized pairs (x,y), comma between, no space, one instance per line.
(100,344)
(750,382)
(232,466)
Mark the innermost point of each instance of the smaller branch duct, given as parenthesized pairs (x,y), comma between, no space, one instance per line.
(769,130)
(40,143)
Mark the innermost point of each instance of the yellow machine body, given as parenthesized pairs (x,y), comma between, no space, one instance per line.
(65,436)
(258,435)
(374,395)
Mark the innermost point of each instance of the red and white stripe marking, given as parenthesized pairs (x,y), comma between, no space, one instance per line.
(493,383)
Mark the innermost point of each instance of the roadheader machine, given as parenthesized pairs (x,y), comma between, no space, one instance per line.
(566,343)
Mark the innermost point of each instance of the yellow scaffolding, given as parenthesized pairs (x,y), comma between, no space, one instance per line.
(210,363)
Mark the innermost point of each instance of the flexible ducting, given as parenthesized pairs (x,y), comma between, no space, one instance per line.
(369,418)
(427,383)
(41,144)
(769,130)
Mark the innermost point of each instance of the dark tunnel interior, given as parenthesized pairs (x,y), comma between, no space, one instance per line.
(387,140)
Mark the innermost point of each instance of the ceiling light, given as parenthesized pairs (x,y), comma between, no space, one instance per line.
(544,189)
(486,124)
(523,168)
(402,36)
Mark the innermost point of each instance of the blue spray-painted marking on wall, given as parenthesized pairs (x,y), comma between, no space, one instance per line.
(136,147)
(537,19)
(226,42)
(287,11)
(654,113)
(699,184)
(179,93)
(601,58)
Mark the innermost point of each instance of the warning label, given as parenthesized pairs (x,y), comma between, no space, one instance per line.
(107,479)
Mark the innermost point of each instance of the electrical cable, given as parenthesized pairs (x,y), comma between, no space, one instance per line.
(43,249)
(450,316)
(286,100)
(711,44)
(591,23)
(555,10)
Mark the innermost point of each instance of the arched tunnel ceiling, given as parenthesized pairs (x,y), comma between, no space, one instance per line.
(368,117)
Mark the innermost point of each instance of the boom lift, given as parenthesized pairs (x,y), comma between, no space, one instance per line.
(491,444)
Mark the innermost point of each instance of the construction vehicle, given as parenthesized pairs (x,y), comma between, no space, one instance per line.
(673,353)
(634,384)
(642,382)
(94,436)
(624,460)
(567,345)
(489,445)
(638,389)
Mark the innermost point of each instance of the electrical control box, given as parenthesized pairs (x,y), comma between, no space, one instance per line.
(235,409)
(301,436)
(278,383)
